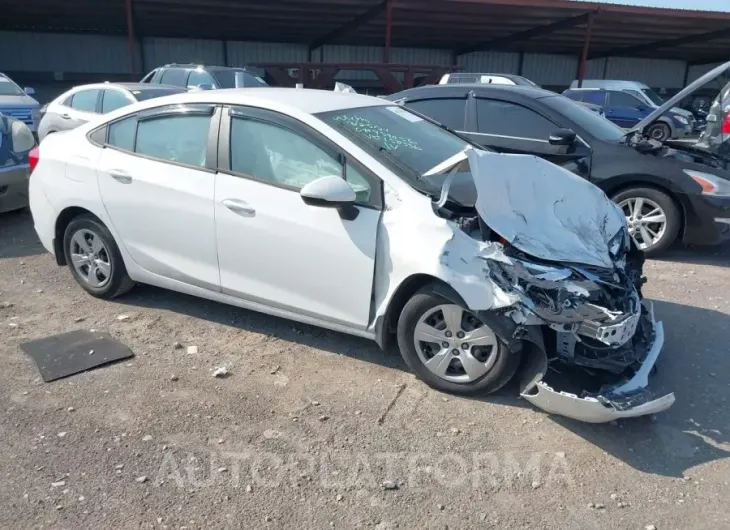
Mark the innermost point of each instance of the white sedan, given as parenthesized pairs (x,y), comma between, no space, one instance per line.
(357,215)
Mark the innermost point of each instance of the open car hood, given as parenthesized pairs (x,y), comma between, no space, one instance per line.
(689,89)
(546,211)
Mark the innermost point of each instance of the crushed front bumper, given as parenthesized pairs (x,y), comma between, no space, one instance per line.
(629,399)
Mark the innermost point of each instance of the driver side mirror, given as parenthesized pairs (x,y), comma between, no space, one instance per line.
(562,137)
(328,192)
(29,90)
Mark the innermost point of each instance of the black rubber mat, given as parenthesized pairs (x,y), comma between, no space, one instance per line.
(77,351)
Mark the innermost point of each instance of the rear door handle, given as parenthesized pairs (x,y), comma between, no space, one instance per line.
(241,208)
(120,176)
(65,116)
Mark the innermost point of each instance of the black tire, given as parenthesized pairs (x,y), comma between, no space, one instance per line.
(119,281)
(659,131)
(671,211)
(501,372)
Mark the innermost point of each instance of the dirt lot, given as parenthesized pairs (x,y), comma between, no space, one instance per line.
(315,429)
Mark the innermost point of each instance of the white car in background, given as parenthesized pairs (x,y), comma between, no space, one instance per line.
(355,214)
(85,102)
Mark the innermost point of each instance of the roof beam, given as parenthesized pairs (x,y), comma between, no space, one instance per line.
(521,36)
(667,43)
(719,59)
(349,27)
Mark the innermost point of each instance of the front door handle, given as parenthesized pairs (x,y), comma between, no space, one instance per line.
(120,176)
(241,208)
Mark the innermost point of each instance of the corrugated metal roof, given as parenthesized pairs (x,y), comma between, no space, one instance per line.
(618,26)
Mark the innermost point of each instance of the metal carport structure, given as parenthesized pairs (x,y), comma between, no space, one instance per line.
(589,30)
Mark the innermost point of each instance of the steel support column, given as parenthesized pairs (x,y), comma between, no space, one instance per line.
(584,55)
(388,29)
(130,38)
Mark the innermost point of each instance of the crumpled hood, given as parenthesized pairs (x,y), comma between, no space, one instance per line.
(544,210)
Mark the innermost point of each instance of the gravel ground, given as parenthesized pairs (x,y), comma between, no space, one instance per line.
(314,429)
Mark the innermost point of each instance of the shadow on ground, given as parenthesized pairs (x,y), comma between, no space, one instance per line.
(17,235)
(714,255)
(695,365)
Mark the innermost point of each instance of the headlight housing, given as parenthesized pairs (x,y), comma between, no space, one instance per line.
(711,184)
(680,119)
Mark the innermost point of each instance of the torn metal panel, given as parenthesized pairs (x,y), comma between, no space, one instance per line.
(545,210)
(631,398)
(412,240)
(564,285)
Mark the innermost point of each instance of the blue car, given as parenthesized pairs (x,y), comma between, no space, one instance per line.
(626,110)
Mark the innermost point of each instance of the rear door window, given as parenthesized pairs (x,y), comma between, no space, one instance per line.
(85,100)
(449,111)
(113,100)
(503,118)
(175,76)
(182,139)
(597,97)
(624,100)
(200,77)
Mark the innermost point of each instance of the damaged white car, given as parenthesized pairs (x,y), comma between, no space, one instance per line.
(354,214)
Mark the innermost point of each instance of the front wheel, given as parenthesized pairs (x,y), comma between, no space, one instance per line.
(659,131)
(450,348)
(653,218)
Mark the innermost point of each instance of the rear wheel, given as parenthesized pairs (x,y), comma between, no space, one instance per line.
(653,218)
(659,131)
(450,348)
(94,258)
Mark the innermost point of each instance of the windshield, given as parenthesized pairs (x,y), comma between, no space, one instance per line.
(402,140)
(588,120)
(8,88)
(653,96)
(237,79)
(150,93)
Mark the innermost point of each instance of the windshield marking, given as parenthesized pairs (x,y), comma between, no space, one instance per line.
(365,127)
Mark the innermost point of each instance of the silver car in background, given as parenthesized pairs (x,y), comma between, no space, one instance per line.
(83,103)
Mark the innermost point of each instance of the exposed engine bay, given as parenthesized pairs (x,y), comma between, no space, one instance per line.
(571,278)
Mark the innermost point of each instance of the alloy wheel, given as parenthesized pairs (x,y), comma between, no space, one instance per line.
(90,258)
(646,219)
(454,344)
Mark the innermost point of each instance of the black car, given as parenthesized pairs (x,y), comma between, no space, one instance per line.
(667,190)
(206,77)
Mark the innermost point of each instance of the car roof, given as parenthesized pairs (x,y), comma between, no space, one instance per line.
(460,89)
(144,86)
(126,86)
(305,100)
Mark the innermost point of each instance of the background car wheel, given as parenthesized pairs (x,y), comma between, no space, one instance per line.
(653,217)
(659,131)
(450,349)
(94,258)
